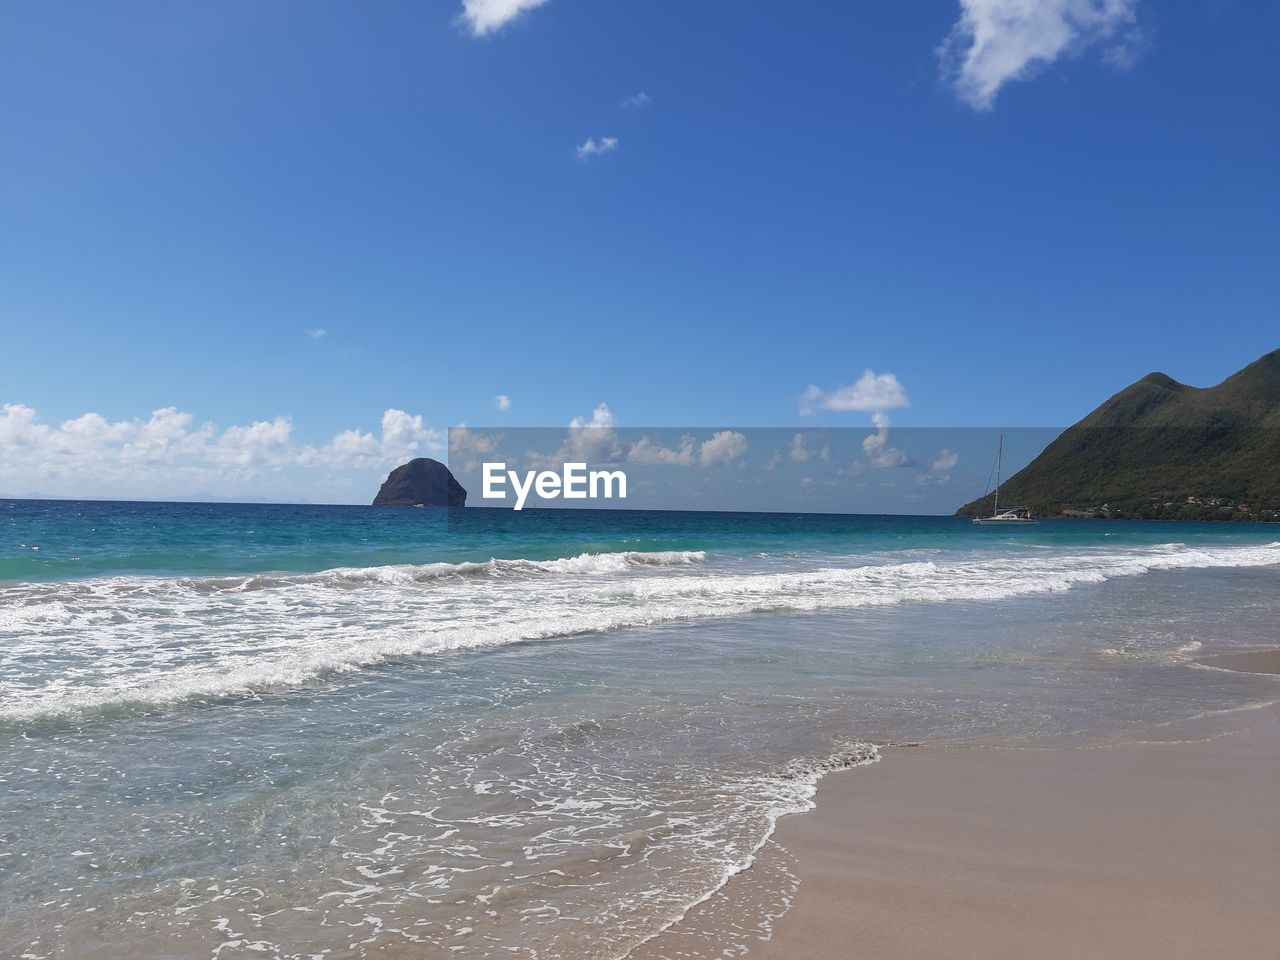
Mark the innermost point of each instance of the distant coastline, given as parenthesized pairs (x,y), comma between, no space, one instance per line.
(1163,450)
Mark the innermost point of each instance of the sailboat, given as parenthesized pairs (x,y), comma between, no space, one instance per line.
(1009,515)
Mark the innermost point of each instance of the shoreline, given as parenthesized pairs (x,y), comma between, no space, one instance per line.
(1164,848)
(1263,660)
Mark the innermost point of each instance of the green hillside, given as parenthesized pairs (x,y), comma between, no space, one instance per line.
(1160,449)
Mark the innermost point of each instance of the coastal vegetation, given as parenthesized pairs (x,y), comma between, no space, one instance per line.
(1162,450)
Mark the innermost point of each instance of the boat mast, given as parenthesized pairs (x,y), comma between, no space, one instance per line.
(995,505)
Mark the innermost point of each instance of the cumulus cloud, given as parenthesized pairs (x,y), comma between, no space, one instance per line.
(718,450)
(998,41)
(722,449)
(870,393)
(27,445)
(944,460)
(315,333)
(645,450)
(637,100)
(483,17)
(91,455)
(259,442)
(502,402)
(594,440)
(940,470)
(596,148)
(466,447)
(403,435)
(876,446)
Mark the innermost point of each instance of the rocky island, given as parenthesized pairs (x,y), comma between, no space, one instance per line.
(422,482)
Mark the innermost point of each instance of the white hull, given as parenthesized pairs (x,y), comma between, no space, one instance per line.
(1009,515)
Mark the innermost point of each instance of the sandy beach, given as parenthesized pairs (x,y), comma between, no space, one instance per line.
(1164,849)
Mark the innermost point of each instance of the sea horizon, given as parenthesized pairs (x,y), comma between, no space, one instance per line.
(605,509)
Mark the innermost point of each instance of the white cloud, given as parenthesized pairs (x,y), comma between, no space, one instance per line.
(891,457)
(998,41)
(467,447)
(403,438)
(588,441)
(164,427)
(594,440)
(799,452)
(944,460)
(91,430)
(645,450)
(597,441)
(719,450)
(315,333)
(876,446)
(1127,48)
(870,393)
(18,427)
(722,449)
(939,471)
(349,446)
(596,148)
(260,442)
(637,100)
(167,452)
(403,435)
(485,16)
(502,402)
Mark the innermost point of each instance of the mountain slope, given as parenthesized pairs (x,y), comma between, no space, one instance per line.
(1160,449)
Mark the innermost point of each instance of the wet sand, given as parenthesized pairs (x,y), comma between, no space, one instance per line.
(1250,661)
(1164,850)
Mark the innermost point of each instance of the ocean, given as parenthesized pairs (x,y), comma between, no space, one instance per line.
(236,731)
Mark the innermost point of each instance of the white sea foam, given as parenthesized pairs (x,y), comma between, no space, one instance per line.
(792,792)
(83,645)
(586,564)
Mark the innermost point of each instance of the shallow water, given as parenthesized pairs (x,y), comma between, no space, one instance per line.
(296,732)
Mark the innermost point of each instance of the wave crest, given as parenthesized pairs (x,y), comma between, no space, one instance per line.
(84,645)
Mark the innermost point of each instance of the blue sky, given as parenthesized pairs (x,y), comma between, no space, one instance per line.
(1013,219)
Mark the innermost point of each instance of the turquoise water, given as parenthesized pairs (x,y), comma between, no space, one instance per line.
(247,731)
(59,540)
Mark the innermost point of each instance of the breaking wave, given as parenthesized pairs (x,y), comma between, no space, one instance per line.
(84,645)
